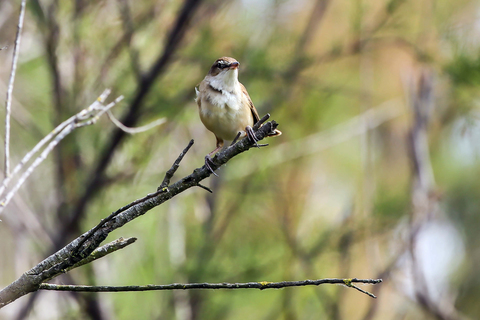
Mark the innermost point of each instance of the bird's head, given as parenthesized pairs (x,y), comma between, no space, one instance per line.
(224,73)
(224,65)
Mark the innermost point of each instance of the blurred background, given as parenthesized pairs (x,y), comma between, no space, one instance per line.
(375,175)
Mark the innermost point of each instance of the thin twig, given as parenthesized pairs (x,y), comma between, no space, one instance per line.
(161,189)
(104,250)
(176,164)
(204,187)
(86,236)
(262,285)
(348,283)
(130,130)
(236,138)
(83,118)
(8,104)
(261,121)
(52,134)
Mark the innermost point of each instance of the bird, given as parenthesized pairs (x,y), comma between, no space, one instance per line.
(224,105)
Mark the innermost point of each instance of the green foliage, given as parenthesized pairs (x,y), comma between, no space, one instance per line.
(464,70)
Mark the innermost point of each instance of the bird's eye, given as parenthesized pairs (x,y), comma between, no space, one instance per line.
(221,65)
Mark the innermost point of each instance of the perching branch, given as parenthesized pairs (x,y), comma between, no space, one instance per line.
(187,286)
(8,104)
(82,247)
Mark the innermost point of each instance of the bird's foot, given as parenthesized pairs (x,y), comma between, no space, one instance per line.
(253,138)
(209,164)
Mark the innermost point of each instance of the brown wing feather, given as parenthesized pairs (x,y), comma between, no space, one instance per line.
(255,115)
(250,102)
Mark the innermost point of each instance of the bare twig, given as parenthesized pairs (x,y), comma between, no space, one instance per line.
(85,117)
(262,285)
(8,103)
(348,283)
(204,187)
(104,250)
(126,129)
(161,189)
(48,137)
(425,205)
(261,121)
(236,138)
(173,169)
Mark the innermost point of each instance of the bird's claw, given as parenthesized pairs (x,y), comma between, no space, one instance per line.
(209,163)
(251,136)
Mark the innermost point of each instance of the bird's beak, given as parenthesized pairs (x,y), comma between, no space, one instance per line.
(234,65)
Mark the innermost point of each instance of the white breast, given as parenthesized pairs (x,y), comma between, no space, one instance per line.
(223,114)
(225,100)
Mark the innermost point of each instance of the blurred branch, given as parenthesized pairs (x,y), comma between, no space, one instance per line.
(299,59)
(187,286)
(316,17)
(425,206)
(83,246)
(85,117)
(129,31)
(356,126)
(359,42)
(129,130)
(8,103)
(133,114)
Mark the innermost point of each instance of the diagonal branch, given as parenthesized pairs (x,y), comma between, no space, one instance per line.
(82,247)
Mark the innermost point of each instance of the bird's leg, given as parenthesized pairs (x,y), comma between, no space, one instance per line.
(208,157)
(252,137)
(209,162)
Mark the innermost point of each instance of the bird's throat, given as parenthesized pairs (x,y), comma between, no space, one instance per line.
(225,81)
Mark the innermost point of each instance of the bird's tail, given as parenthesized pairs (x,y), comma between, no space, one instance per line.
(275,133)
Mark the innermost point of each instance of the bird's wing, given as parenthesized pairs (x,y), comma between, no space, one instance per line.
(197,94)
(250,103)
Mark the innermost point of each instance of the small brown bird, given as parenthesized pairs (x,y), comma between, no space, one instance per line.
(224,105)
